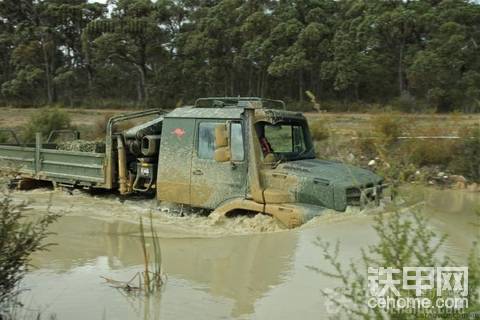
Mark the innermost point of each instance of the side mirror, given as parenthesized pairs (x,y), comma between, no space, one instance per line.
(222,154)
(222,143)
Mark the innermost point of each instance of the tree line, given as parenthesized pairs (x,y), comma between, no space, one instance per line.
(409,53)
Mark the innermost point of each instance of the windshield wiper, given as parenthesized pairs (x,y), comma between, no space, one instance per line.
(298,157)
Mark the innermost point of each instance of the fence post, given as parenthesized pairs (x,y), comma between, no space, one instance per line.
(38,146)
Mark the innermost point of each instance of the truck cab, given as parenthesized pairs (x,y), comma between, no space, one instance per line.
(234,155)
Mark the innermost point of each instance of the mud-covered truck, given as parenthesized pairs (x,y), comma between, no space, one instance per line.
(231,155)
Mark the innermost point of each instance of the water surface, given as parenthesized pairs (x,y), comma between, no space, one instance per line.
(243,268)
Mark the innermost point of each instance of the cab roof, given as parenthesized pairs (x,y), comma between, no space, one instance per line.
(206,113)
(231,108)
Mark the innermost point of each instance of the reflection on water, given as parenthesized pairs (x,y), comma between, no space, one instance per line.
(216,270)
(232,272)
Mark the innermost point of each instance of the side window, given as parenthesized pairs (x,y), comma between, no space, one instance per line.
(206,140)
(236,142)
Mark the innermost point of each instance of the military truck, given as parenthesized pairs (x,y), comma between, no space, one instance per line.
(225,154)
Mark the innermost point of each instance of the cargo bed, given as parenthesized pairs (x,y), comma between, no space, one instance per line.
(44,162)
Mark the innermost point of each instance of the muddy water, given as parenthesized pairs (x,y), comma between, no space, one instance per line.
(242,268)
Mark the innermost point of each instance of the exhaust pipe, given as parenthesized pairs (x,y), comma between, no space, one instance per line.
(122,166)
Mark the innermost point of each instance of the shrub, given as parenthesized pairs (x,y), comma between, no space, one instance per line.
(403,242)
(100,127)
(46,120)
(388,127)
(319,130)
(18,240)
(405,103)
(397,172)
(429,151)
(3,137)
(466,154)
(366,146)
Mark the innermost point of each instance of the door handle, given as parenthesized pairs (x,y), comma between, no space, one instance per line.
(198,172)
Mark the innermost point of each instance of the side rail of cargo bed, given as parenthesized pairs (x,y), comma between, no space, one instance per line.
(67,167)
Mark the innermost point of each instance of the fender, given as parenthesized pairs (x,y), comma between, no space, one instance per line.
(289,214)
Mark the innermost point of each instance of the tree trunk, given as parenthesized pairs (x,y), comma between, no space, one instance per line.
(264,92)
(142,69)
(46,61)
(89,79)
(400,68)
(88,66)
(250,82)
(139,92)
(142,93)
(259,83)
(300,85)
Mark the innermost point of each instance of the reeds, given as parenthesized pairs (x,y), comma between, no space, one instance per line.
(151,279)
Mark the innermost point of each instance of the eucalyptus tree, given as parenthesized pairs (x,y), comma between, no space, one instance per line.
(446,69)
(168,51)
(129,38)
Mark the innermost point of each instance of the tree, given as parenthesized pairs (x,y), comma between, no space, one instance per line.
(131,38)
(446,70)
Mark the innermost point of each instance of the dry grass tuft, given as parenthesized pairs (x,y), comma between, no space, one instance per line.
(319,130)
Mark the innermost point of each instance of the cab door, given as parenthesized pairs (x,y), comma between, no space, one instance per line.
(214,182)
(175,160)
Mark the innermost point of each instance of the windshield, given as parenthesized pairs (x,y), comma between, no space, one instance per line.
(285,140)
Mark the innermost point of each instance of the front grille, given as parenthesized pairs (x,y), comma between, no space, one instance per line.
(353,196)
(370,194)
